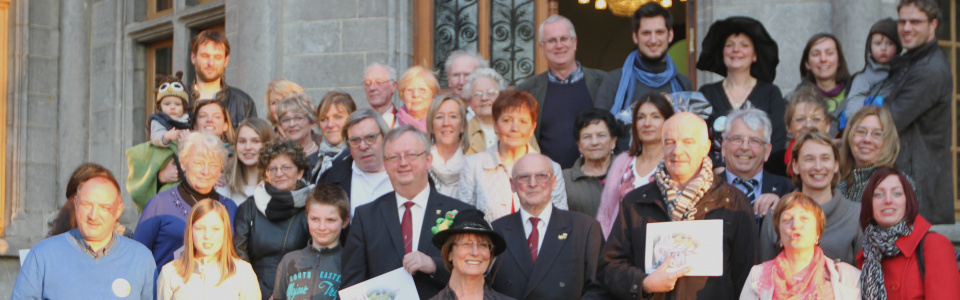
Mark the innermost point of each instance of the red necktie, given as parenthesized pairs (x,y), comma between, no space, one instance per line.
(406,227)
(534,238)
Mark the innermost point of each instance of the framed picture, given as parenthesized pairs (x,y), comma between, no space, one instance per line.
(697,244)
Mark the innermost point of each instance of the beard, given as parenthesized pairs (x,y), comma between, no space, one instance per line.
(659,56)
(203,77)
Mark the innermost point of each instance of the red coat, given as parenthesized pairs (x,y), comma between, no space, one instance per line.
(901,274)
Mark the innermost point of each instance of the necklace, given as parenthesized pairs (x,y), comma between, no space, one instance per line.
(311,148)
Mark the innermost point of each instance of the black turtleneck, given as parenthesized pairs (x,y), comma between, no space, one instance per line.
(657,66)
(191,195)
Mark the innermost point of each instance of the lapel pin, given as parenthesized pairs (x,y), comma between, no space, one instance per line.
(562,236)
(438,211)
(774,189)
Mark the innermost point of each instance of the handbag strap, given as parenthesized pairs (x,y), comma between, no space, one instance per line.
(920,263)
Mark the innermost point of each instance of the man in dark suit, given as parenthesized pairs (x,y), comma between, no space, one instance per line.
(562,92)
(746,147)
(551,253)
(394,230)
(360,172)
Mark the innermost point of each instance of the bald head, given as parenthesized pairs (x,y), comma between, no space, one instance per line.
(686,142)
(533,181)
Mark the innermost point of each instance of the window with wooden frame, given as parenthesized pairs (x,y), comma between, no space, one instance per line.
(156,8)
(947,34)
(502,31)
(159,61)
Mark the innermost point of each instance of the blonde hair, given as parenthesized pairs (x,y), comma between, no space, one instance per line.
(225,257)
(285,88)
(418,72)
(236,171)
(432,113)
(891,139)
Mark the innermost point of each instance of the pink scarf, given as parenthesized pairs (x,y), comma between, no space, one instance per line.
(404,118)
(776,275)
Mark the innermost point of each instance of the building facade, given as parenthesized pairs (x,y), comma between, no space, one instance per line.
(77,76)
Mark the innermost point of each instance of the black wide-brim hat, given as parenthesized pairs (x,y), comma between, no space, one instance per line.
(471,221)
(711,55)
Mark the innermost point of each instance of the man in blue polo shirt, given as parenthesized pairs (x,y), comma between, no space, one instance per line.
(90,261)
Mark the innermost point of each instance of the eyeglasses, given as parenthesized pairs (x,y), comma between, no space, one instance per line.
(558,40)
(370,139)
(860,132)
(285,169)
(525,178)
(298,119)
(808,121)
(369,83)
(912,22)
(407,157)
(483,246)
(415,91)
(491,92)
(737,140)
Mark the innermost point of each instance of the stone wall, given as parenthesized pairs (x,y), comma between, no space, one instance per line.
(792,22)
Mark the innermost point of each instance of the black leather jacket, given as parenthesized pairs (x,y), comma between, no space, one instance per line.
(239,105)
(263,242)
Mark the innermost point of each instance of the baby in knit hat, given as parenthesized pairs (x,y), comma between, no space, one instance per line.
(171,121)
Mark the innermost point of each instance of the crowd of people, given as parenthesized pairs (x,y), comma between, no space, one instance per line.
(540,191)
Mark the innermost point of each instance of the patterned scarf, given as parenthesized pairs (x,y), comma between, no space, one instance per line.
(776,276)
(681,204)
(853,186)
(326,153)
(879,244)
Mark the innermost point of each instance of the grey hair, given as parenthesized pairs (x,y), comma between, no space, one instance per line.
(301,104)
(546,161)
(362,114)
(483,73)
(754,118)
(391,72)
(553,19)
(400,130)
(481,63)
(197,143)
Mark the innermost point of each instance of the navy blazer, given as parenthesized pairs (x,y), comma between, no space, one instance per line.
(375,245)
(566,265)
(772,183)
(340,172)
(537,86)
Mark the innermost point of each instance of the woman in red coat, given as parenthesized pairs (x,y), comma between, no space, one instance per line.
(898,245)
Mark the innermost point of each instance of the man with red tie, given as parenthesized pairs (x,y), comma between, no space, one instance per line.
(551,253)
(375,244)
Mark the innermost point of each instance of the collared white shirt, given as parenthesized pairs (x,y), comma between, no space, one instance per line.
(390,117)
(366,187)
(417,211)
(757,189)
(541,226)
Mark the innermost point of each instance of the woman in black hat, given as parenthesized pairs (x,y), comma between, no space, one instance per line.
(467,245)
(883,44)
(742,51)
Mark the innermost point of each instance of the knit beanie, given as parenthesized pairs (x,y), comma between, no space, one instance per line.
(887,27)
(171,86)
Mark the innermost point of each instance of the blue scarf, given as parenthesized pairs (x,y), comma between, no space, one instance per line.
(645,76)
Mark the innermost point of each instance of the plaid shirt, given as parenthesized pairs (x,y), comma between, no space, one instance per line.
(574,77)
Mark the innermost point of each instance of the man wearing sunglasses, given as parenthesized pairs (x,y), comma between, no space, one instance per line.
(360,171)
(551,253)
